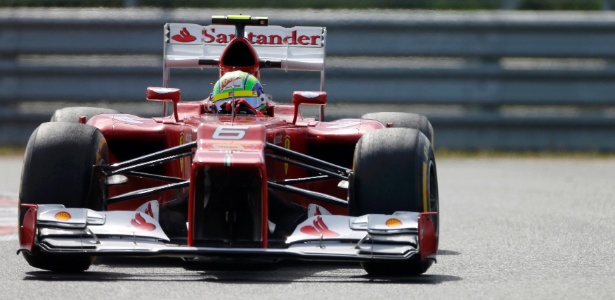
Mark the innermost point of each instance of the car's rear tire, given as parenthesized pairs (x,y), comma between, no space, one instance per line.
(404,120)
(58,169)
(72,114)
(394,170)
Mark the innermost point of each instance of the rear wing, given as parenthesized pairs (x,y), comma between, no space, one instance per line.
(299,48)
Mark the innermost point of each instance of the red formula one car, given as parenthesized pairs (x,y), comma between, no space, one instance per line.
(234,178)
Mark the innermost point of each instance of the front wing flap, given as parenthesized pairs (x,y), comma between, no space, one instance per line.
(55,229)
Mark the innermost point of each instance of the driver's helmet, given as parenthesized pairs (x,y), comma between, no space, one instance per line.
(239,85)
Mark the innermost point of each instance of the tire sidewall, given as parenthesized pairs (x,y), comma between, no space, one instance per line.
(59,169)
(390,180)
(417,164)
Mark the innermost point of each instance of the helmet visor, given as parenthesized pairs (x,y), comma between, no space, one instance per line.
(256,102)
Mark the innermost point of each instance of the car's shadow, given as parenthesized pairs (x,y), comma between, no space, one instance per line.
(318,272)
(120,269)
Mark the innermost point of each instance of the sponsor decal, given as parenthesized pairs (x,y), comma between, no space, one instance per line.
(184,36)
(62,216)
(227,147)
(318,228)
(150,208)
(276,39)
(140,223)
(230,83)
(211,37)
(264,37)
(393,223)
(317,210)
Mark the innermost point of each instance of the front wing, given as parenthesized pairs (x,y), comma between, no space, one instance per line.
(55,229)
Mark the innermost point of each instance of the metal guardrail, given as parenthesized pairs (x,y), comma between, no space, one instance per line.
(502,79)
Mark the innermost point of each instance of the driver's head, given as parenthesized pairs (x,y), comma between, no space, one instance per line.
(239,85)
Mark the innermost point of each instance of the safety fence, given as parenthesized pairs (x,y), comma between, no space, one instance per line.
(487,80)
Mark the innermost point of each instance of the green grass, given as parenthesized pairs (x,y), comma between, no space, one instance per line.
(12,151)
(484,153)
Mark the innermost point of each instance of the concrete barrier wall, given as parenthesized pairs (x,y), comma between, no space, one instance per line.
(487,80)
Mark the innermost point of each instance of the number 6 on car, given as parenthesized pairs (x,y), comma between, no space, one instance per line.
(230,132)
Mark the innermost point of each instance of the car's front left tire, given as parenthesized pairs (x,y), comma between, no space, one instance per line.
(72,114)
(394,170)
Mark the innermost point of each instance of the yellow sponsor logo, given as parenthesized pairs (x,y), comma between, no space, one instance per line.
(62,216)
(425,191)
(393,223)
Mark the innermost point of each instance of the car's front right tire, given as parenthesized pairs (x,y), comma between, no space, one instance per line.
(59,169)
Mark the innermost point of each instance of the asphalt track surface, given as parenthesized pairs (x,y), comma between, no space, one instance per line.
(511,228)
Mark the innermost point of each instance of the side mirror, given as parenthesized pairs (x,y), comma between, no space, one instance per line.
(313,98)
(165,95)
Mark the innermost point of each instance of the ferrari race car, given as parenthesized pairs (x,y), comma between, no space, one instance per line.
(235,178)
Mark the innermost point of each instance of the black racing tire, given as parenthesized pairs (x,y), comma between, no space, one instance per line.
(58,169)
(72,114)
(404,120)
(394,170)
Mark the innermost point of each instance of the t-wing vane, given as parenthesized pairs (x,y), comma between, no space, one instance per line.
(240,22)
